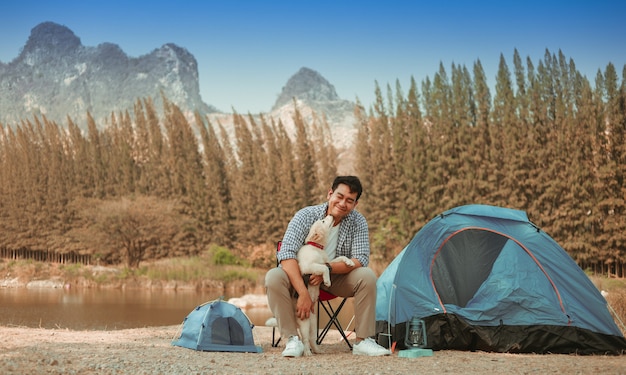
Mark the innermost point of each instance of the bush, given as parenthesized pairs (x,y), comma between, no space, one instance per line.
(71,269)
(223,257)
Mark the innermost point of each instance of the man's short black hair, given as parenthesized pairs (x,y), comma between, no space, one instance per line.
(352,182)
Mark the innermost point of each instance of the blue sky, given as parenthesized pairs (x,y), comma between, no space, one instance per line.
(247,50)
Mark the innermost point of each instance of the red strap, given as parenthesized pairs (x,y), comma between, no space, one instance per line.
(315,244)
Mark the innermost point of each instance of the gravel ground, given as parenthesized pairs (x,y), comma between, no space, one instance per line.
(149,351)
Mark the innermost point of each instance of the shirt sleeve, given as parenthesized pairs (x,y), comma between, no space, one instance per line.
(357,243)
(296,233)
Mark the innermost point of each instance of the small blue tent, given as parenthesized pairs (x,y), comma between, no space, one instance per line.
(486,278)
(217,326)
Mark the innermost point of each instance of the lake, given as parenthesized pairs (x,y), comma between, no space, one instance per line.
(105,309)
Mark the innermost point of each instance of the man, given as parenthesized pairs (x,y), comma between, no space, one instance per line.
(348,237)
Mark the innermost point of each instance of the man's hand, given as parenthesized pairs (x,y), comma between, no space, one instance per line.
(304,306)
(316,280)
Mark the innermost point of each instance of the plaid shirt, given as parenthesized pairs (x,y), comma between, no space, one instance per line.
(352,242)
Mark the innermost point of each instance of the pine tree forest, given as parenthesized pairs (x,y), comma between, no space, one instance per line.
(153,183)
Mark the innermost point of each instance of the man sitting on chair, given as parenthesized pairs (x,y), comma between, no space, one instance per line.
(349,237)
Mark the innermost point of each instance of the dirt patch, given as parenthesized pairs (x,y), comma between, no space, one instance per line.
(149,351)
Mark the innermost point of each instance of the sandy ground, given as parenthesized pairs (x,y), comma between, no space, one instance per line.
(149,351)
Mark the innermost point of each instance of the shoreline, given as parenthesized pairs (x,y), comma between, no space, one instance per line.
(236,286)
(166,274)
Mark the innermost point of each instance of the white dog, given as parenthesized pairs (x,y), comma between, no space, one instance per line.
(312,260)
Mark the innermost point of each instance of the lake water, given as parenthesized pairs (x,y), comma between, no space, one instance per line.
(104,309)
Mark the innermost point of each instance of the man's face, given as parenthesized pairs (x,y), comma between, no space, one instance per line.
(341,202)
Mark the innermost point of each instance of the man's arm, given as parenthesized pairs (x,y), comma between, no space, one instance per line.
(294,237)
(292,269)
(304,306)
(341,267)
(360,244)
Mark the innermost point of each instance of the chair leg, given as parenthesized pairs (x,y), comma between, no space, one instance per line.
(333,316)
(274,341)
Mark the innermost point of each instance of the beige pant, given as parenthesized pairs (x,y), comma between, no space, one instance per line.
(360,283)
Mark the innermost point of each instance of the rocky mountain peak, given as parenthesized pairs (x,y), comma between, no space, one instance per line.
(56,76)
(308,86)
(50,37)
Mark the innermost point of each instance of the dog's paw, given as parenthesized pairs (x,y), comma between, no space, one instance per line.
(349,262)
(326,277)
(307,352)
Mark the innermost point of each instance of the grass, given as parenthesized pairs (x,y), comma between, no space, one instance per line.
(193,270)
(617,305)
(197,269)
(615,295)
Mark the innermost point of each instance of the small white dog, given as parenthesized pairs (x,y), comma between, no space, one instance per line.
(312,260)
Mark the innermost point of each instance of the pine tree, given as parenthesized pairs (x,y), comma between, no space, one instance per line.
(327,154)
(444,158)
(95,167)
(481,142)
(244,194)
(156,165)
(122,173)
(274,192)
(305,171)
(577,226)
(286,175)
(141,152)
(364,166)
(517,149)
(216,217)
(184,159)
(415,164)
(611,203)
(462,188)
(263,193)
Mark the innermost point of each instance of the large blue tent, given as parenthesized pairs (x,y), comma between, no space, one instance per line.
(486,278)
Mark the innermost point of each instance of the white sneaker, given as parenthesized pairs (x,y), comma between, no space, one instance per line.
(294,347)
(369,347)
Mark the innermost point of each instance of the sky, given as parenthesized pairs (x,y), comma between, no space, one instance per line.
(247,50)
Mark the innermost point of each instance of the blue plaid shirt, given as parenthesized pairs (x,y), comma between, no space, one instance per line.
(352,241)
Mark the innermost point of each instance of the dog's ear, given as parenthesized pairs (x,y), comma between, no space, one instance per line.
(313,232)
(316,236)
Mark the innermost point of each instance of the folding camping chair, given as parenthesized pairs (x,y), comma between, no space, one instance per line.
(324,301)
(333,316)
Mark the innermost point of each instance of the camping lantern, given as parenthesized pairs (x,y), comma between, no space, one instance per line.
(416,334)
(415,340)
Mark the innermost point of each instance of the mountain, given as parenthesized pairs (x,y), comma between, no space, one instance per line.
(313,93)
(56,76)
(313,96)
(309,87)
